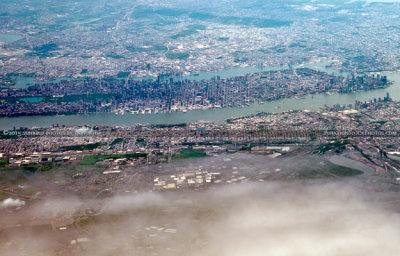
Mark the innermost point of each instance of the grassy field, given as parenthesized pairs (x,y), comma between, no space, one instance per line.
(177,56)
(326,147)
(189,153)
(116,141)
(4,162)
(342,171)
(90,146)
(31,167)
(329,170)
(93,159)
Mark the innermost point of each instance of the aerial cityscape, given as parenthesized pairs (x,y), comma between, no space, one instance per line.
(184,127)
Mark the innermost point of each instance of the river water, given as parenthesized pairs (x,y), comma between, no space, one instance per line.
(314,102)
(9,37)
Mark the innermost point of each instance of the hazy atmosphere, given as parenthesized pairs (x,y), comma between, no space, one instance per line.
(252,219)
(199,128)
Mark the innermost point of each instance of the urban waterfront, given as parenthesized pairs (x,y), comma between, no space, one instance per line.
(311,102)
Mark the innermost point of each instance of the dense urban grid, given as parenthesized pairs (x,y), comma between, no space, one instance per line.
(148,96)
(142,38)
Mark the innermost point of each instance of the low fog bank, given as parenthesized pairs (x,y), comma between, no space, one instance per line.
(11,202)
(292,218)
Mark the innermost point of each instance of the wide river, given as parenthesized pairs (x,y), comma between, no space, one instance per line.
(314,102)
